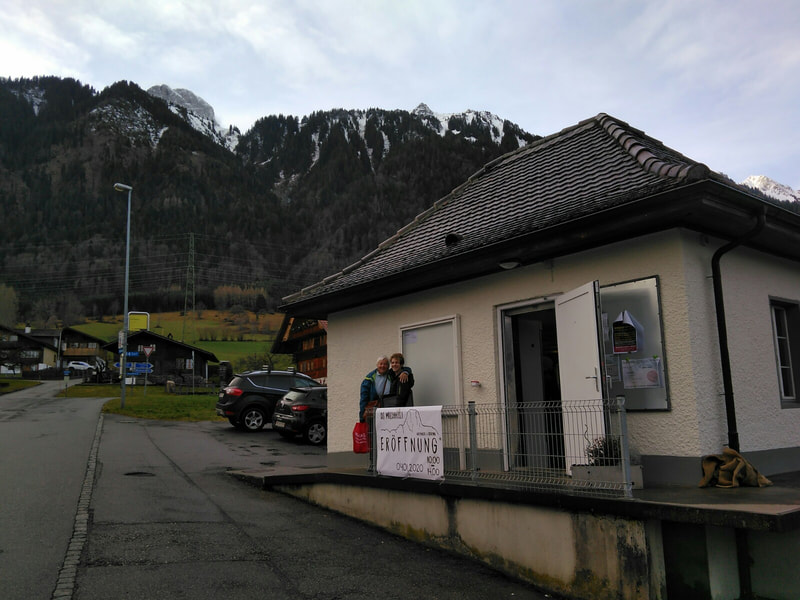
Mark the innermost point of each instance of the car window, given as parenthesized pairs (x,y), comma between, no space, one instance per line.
(280,382)
(235,382)
(293,395)
(259,380)
(303,382)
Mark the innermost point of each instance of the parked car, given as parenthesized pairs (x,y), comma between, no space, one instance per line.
(249,400)
(79,365)
(303,411)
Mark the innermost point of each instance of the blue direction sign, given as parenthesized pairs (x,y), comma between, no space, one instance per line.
(130,352)
(137,368)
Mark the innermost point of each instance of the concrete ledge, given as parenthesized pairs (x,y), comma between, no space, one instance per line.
(757,509)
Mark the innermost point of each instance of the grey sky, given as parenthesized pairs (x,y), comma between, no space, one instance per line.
(717,80)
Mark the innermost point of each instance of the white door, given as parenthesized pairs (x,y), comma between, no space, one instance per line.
(580,372)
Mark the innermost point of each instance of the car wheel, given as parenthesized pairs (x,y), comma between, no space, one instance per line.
(316,433)
(253,418)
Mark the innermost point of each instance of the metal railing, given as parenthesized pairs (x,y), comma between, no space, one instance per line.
(577,447)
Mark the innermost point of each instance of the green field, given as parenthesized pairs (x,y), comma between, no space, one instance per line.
(152,403)
(12,384)
(233,337)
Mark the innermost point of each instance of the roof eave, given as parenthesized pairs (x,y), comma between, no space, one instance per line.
(706,206)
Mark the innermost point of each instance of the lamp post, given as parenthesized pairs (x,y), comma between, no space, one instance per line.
(123,361)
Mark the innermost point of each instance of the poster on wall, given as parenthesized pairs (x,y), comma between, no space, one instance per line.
(628,334)
(409,442)
(642,373)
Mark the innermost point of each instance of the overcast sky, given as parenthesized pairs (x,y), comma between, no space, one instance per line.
(718,81)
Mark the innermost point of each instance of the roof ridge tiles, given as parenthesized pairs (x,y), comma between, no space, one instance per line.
(640,146)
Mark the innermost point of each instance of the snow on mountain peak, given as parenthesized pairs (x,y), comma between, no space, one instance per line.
(185,98)
(200,114)
(423,110)
(772,188)
(469,116)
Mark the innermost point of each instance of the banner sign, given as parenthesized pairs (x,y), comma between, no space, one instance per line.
(408,442)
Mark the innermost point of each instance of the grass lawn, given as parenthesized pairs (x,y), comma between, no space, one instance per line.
(231,337)
(210,324)
(233,351)
(157,404)
(12,384)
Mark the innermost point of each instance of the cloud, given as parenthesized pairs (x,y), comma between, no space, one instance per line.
(688,69)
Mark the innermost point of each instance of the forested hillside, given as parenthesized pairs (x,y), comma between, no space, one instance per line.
(298,198)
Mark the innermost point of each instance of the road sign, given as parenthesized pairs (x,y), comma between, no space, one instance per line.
(138,321)
(137,368)
(148,350)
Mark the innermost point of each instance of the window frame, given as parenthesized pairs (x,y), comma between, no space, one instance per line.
(450,354)
(785,322)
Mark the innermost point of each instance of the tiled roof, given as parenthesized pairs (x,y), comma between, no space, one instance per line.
(146,334)
(595,165)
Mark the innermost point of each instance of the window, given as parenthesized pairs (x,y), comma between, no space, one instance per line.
(786,335)
(432,351)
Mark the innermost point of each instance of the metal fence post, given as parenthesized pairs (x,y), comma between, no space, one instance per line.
(623,434)
(473,438)
(370,416)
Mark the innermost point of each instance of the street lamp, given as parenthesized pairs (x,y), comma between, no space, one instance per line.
(123,361)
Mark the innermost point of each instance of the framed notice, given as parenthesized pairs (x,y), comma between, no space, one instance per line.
(642,373)
(635,361)
(408,442)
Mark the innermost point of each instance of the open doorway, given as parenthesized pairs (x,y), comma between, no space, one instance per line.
(532,387)
(553,387)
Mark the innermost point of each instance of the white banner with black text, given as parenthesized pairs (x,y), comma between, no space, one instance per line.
(409,442)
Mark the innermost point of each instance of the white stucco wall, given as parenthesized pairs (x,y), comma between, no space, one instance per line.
(694,425)
(749,283)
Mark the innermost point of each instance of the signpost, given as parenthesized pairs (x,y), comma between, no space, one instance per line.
(148,350)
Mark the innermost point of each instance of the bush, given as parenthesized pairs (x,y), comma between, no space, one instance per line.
(604,451)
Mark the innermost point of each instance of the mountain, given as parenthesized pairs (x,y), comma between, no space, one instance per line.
(218,218)
(771,188)
(197,112)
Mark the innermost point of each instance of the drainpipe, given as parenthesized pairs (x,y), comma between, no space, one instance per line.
(742,549)
(727,382)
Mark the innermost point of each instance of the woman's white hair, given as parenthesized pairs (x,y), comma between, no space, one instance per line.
(380,358)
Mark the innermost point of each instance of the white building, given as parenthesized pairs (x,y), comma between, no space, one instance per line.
(480,288)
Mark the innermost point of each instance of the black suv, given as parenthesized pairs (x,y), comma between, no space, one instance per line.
(304,411)
(248,401)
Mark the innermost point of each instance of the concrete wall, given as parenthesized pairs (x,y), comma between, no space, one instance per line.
(774,570)
(573,553)
(694,426)
(579,555)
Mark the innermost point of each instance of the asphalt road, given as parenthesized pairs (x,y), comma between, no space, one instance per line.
(163,519)
(44,444)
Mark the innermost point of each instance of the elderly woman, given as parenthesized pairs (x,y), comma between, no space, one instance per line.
(376,385)
(402,381)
